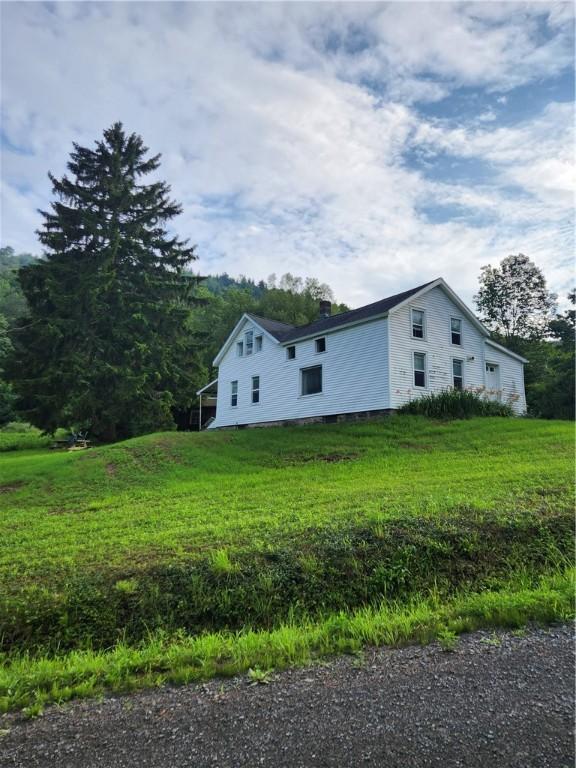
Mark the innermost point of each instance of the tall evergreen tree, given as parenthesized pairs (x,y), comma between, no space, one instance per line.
(106,341)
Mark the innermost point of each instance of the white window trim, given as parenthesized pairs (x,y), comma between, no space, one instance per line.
(246,334)
(235,381)
(417,386)
(316,352)
(239,349)
(252,390)
(455,317)
(462,361)
(424,333)
(301,382)
(258,343)
(291,346)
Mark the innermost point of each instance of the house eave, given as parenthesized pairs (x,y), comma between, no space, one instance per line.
(441,283)
(226,346)
(506,351)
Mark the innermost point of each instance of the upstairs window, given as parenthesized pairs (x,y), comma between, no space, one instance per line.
(456,330)
(249,342)
(458,374)
(417,324)
(419,369)
(290,353)
(240,348)
(312,380)
(255,389)
(258,344)
(234,394)
(321,345)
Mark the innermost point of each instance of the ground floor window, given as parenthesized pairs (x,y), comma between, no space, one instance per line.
(458,374)
(255,389)
(234,394)
(312,380)
(419,369)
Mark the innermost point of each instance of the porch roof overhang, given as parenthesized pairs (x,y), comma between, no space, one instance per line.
(207,387)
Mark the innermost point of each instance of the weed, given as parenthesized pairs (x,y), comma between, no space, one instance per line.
(258,676)
(447,639)
(494,640)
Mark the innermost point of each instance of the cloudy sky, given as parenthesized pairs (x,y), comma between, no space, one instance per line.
(373,146)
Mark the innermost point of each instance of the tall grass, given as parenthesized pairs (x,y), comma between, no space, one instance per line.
(29,683)
(455,404)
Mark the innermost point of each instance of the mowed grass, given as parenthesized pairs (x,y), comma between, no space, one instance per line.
(164,497)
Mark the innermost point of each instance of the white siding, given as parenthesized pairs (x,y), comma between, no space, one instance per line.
(440,351)
(354,372)
(511,377)
(437,346)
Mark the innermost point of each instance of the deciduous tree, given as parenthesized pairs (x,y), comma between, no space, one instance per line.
(513,299)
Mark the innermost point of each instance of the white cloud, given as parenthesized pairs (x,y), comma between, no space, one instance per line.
(284,153)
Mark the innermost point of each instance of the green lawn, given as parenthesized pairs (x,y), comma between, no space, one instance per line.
(165,496)
(273,532)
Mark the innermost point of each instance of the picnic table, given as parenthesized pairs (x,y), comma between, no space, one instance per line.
(71,444)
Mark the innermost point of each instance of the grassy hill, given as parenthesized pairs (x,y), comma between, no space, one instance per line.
(218,532)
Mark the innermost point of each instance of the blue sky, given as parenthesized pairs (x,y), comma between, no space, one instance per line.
(371,145)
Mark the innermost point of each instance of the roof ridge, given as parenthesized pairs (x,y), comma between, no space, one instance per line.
(271,320)
(346,312)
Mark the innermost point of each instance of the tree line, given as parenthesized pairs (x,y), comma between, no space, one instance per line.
(112,331)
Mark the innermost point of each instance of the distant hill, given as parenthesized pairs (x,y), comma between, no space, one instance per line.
(219,284)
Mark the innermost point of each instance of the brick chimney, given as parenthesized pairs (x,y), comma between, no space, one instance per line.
(325,309)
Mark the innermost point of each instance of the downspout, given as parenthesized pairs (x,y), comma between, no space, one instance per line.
(200,415)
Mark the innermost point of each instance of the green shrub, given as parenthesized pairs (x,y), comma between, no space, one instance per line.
(21,436)
(455,404)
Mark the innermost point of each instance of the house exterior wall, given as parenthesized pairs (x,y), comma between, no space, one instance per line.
(439,351)
(511,377)
(354,373)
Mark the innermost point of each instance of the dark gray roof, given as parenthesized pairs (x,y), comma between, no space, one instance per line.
(275,327)
(284,332)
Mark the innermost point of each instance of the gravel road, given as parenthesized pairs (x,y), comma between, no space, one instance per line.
(497,701)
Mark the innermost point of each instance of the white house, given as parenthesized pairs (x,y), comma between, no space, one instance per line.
(362,362)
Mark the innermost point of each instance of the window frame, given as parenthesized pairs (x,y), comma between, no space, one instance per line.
(460,343)
(255,391)
(258,343)
(319,340)
(302,373)
(288,356)
(417,370)
(248,347)
(234,393)
(423,324)
(461,376)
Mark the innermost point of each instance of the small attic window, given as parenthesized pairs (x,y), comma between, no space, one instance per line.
(240,349)
(417,323)
(249,339)
(290,353)
(456,330)
(258,344)
(320,345)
